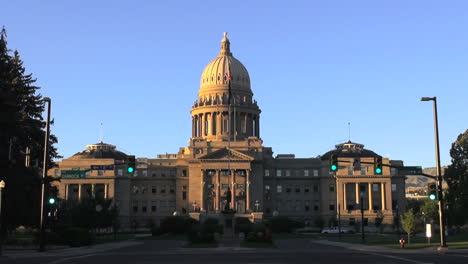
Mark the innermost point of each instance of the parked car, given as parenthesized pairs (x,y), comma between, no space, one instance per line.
(336,230)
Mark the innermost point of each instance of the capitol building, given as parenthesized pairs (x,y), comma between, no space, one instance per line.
(225,165)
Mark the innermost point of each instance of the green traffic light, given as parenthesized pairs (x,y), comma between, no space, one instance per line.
(432,196)
(51,200)
(130,169)
(378,170)
(333,167)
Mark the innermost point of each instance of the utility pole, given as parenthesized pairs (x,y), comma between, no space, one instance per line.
(44,175)
(443,243)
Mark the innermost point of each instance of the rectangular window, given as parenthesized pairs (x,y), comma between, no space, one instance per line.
(135,206)
(288,173)
(350,170)
(100,172)
(163,189)
(144,173)
(316,189)
(153,206)
(363,170)
(393,187)
(278,173)
(143,208)
(393,171)
(306,206)
(316,205)
(267,173)
(119,172)
(331,207)
(375,187)
(172,172)
(306,173)
(184,173)
(171,189)
(316,173)
(306,189)
(184,195)
(331,188)
(288,189)
(297,189)
(153,189)
(279,188)
(298,205)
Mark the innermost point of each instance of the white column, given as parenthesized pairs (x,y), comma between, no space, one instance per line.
(382,192)
(370,196)
(345,205)
(218,184)
(202,190)
(66,192)
(79,192)
(92,190)
(357,193)
(106,191)
(247,191)
(233,193)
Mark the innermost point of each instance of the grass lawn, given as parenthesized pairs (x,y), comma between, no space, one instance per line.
(166,237)
(256,245)
(201,245)
(391,240)
(291,235)
(107,238)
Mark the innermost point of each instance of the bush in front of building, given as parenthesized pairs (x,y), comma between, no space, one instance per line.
(205,232)
(260,233)
(173,225)
(77,236)
(243,225)
(283,224)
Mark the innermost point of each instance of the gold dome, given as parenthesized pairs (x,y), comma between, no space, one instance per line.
(214,79)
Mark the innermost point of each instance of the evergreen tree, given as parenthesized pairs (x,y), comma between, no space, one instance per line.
(456,176)
(21,127)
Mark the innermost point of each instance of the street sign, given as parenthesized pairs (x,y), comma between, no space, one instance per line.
(74,174)
(428,230)
(410,170)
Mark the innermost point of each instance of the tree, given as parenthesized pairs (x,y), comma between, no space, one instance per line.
(408,223)
(430,210)
(21,127)
(456,176)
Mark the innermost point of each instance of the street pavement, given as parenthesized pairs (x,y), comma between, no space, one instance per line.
(286,251)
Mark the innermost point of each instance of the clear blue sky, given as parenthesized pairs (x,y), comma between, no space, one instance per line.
(314,67)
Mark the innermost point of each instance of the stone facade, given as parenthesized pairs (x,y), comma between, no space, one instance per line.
(226,157)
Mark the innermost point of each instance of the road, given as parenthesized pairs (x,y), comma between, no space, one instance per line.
(288,251)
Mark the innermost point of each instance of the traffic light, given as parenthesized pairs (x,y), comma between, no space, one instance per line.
(378,165)
(131,164)
(53,192)
(333,162)
(432,191)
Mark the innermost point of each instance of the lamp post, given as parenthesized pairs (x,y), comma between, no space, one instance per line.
(2,185)
(363,238)
(44,174)
(443,243)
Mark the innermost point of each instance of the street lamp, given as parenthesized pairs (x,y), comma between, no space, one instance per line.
(443,243)
(2,185)
(361,195)
(44,174)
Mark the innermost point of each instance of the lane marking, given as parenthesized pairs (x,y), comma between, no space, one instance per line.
(395,257)
(70,258)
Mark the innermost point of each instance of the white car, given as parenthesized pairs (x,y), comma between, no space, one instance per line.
(335,230)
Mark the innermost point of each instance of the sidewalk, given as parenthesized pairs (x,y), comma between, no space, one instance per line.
(367,248)
(67,252)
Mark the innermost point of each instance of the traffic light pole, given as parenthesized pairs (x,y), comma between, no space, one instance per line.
(443,243)
(44,174)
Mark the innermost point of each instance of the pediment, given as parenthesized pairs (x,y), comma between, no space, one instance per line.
(226,154)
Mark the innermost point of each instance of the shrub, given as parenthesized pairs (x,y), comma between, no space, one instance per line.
(156,231)
(243,225)
(281,224)
(77,236)
(259,233)
(173,225)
